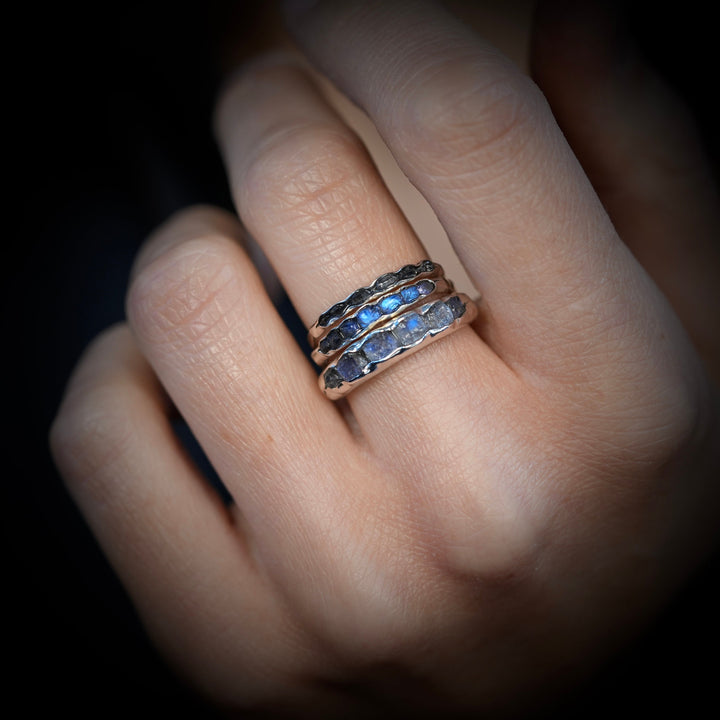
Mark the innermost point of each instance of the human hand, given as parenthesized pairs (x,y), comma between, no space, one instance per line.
(484,521)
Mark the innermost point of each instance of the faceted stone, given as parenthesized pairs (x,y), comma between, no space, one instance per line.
(408,272)
(350,366)
(410,329)
(333,379)
(390,303)
(425,287)
(439,316)
(409,294)
(332,341)
(456,305)
(427,266)
(360,296)
(329,316)
(368,315)
(385,281)
(350,328)
(380,346)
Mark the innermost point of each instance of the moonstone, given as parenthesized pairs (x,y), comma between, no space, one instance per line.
(439,316)
(425,287)
(368,315)
(329,316)
(350,366)
(380,346)
(390,303)
(384,282)
(410,329)
(332,341)
(456,305)
(409,294)
(349,328)
(360,296)
(407,272)
(333,379)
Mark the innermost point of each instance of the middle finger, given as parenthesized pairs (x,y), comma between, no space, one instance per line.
(306,189)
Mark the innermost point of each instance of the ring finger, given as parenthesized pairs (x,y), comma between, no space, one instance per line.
(308,192)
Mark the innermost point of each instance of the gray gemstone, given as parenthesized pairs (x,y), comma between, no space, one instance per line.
(332,341)
(456,305)
(427,266)
(350,366)
(329,316)
(410,329)
(407,272)
(385,281)
(380,346)
(425,287)
(439,316)
(333,379)
(360,296)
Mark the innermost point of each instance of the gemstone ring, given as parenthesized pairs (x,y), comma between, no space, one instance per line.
(361,320)
(377,325)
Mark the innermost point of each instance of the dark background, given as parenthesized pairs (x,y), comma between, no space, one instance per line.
(109,132)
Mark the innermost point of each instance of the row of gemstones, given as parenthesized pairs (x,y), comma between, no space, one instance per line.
(384,282)
(408,330)
(352,327)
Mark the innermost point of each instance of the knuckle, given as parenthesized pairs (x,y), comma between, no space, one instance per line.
(307,171)
(489,540)
(472,114)
(183,294)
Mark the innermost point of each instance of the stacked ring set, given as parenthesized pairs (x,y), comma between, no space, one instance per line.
(377,325)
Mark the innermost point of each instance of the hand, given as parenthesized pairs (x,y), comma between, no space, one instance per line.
(482,523)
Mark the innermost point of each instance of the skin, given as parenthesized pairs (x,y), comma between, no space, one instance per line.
(482,524)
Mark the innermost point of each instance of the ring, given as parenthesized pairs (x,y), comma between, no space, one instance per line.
(388,281)
(366,317)
(377,325)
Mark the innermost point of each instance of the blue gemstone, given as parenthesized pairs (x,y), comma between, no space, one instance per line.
(439,316)
(380,346)
(332,341)
(368,315)
(410,329)
(390,303)
(409,294)
(425,287)
(350,366)
(350,328)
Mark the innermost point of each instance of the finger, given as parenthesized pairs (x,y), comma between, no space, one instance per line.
(312,504)
(641,151)
(203,320)
(164,530)
(477,138)
(308,192)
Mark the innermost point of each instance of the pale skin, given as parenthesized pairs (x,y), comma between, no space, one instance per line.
(483,523)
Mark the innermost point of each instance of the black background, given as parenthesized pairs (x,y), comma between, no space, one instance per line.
(108,111)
